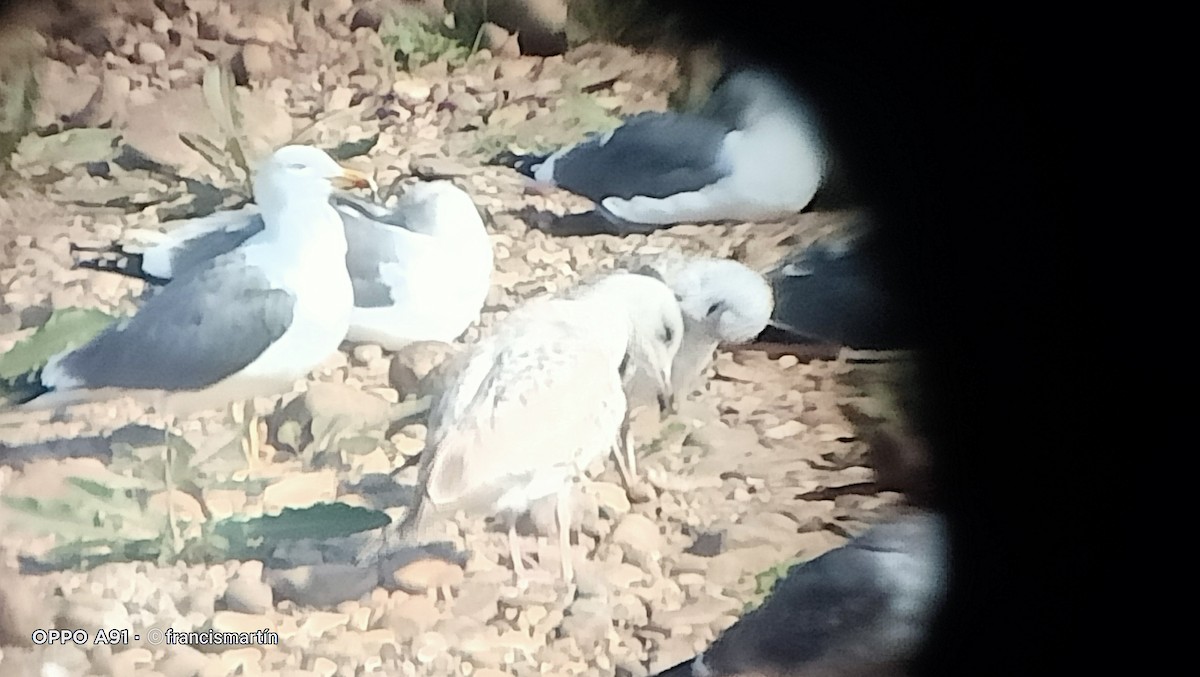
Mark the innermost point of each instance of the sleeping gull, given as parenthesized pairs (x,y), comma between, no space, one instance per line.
(723,302)
(421,270)
(244,324)
(830,293)
(861,609)
(753,153)
(540,399)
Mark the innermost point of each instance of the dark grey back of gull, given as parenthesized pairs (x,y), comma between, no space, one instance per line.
(651,154)
(830,295)
(861,609)
(207,324)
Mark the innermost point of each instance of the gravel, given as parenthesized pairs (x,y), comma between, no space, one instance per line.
(662,576)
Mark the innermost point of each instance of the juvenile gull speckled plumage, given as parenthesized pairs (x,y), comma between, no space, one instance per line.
(540,399)
(753,153)
(243,324)
(420,270)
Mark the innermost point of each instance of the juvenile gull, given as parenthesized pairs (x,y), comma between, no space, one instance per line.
(420,270)
(723,302)
(861,609)
(753,153)
(246,323)
(539,400)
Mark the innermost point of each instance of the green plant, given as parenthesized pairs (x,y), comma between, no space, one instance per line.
(220,95)
(765,582)
(66,328)
(117,521)
(575,116)
(413,38)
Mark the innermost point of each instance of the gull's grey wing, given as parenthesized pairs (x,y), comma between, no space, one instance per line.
(867,603)
(209,245)
(369,246)
(652,154)
(206,325)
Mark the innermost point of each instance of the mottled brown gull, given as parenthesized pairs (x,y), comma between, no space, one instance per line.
(540,399)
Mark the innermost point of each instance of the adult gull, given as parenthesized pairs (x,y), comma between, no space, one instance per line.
(245,323)
(753,153)
(830,293)
(539,400)
(420,270)
(861,609)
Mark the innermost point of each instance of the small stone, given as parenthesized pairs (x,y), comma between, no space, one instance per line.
(318,623)
(256,59)
(248,594)
(639,536)
(412,92)
(610,497)
(438,167)
(426,574)
(366,17)
(366,354)
(324,666)
(412,616)
(784,430)
(478,602)
(588,621)
(429,646)
(148,52)
(414,364)
(301,490)
(464,102)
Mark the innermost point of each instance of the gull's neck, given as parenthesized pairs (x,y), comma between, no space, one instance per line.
(302,221)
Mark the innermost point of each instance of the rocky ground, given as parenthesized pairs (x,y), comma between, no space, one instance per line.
(760,468)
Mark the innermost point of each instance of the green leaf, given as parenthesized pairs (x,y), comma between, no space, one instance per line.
(68,149)
(66,328)
(349,149)
(358,445)
(319,521)
(414,39)
(216,94)
(92,487)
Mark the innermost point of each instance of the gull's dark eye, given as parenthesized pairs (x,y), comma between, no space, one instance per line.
(667,334)
(713,308)
(296,166)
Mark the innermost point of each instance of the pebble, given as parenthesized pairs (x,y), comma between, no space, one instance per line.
(247,593)
(426,574)
(636,559)
(148,53)
(640,538)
